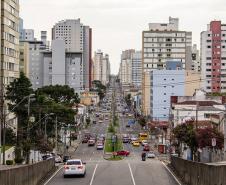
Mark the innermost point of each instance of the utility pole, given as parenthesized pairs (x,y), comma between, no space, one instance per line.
(196,113)
(56,135)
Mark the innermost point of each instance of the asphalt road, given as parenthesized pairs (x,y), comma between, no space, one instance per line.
(130,171)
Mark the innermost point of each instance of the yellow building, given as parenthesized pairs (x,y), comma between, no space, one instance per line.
(89,98)
(24,58)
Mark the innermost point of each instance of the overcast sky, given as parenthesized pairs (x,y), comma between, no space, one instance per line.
(118,24)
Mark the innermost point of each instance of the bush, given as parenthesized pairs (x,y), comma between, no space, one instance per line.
(18,160)
(9,162)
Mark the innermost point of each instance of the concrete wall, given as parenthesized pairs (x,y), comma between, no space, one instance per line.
(194,173)
(26,175)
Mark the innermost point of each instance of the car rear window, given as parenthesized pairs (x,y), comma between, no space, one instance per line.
(74,163)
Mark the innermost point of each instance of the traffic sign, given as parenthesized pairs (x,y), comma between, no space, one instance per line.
(214,142)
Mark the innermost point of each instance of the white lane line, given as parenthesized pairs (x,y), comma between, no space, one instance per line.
(131,173)
(53,175)
(171,173)
(91,182)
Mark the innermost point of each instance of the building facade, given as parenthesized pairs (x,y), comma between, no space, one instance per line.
(137,69)
(161,43)
(196,63)
(9,40)
(101,67)
(213,57)
(78,39)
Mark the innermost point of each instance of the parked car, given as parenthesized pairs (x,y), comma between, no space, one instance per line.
(74,167)
(47,156)
(123,153)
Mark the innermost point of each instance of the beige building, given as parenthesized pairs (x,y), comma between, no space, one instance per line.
(193,82)
(9,40)
(24,58)
(101,67)
(89,98)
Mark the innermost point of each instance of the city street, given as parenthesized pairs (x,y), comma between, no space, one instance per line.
(130,171)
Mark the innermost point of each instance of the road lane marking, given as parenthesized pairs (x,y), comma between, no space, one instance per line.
(171,173)
(47,182)
(91,182)
(131,173)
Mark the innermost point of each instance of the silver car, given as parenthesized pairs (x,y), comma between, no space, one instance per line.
(74,167)
(150,155)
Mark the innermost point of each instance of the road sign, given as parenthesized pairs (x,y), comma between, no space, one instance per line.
(113,138)
(214,142)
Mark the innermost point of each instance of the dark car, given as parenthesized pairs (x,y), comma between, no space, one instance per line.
(123,153)
(66,158)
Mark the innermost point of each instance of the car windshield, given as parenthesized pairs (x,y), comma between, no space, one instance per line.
(74,163)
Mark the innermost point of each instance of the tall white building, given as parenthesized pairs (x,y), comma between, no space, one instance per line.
(125,70)
(137,69)
(78,39)
(213,57)
(161,43)
(101,67)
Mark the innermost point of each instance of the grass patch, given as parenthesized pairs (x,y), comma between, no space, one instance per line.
(109,145)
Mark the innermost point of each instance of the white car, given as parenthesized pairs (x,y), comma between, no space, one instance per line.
(144,142)
(58,159)
(100,146)
(150,155)
(74,167)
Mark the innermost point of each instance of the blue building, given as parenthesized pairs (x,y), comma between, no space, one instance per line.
(164,84)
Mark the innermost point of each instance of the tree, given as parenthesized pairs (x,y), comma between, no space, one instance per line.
(142,121)
(10,137)
(60,94)
(205,136)
(128,100)
(16,93)
(99,87)
(185,133)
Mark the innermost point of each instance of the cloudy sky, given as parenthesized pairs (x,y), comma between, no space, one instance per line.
(118,24)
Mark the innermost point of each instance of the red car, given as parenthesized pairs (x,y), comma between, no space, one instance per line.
(146,148)
(123,153)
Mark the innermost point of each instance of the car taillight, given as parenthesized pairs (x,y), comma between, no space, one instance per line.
(80,167)
(66,167)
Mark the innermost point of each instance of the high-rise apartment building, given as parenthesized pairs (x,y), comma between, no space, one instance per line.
(125,70)
(196,64)
(101,67)
(137,69)
(9,33)
(9,56)
(213,57)
(161,43)
(78,39)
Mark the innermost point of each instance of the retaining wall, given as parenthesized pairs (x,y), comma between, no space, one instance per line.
(26,175)
(194,173)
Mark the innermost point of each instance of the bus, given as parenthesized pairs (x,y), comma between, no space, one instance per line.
(143,136)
